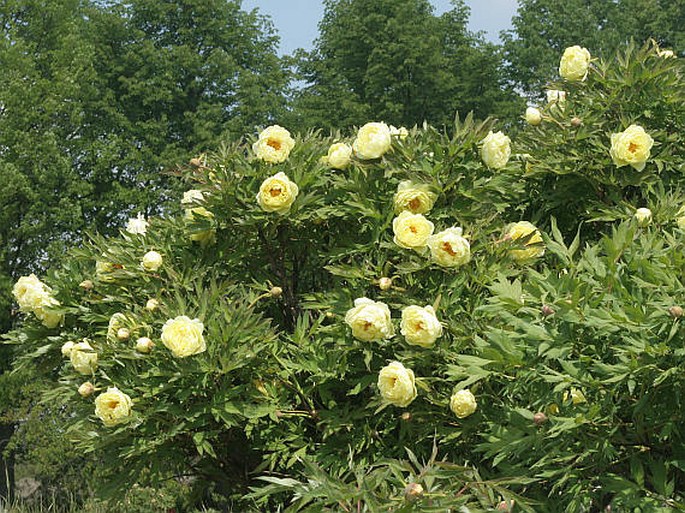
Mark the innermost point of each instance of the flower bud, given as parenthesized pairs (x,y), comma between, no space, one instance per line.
(385,283)
(505,506)
(576,122)
(413,491)
(330,315)
(547,310)
(123,334)
(151,305)
(539,418)
(643,216)
(86,285)
(66,349)
(276,292)
(406,416)
(533,116)
(675,311)
(86,389)
(144,345)
(152,261)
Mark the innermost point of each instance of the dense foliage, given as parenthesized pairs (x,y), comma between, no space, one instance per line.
(373,323)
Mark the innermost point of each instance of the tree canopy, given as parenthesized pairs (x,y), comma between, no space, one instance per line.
(542,29)
(396,61)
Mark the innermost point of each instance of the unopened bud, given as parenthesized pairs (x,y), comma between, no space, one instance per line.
(144,345)
(86,285)
(86,389)
(123,334)
(505,506)
(314,414)
(547,310)
(413,491)
(151,305)
(676,311)
(539,418)
(576,122)
(406,416)
(330,315)
(385,283)
(66,349)
(533,116)
(276,292)
(643,216)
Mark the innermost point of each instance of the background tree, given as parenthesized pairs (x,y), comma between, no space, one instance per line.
(97,100)
(396,61)
(542,29)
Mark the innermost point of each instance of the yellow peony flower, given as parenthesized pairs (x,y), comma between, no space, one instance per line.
(411,230)
(397,384)
(643,216)
(401,132)
(631,147)
(463,403)
(32,294)
(277,194)
(66,349)
(417,199)
(116,322)
(183,336)
(339,155)
(152,305)
(192,197)
(373,140)
(198,214)
(534,246)
(575,63)
(449,248)
(103,271)
(113,407)
(575,395)
(533,116)
(49,317)
(370,320)
(152,261)
(420,326)
(274,144)
(556,96)
(137,225)
(83,358)
(495,150)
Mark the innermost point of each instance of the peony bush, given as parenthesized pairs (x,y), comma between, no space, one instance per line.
(398,320)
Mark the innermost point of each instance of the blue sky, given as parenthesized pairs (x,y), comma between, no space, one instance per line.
(297,20)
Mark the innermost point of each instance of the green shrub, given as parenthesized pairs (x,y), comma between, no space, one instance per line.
(539,366)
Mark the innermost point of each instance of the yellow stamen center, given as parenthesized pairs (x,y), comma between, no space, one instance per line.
(632,147)
(447,248)
(274,143)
